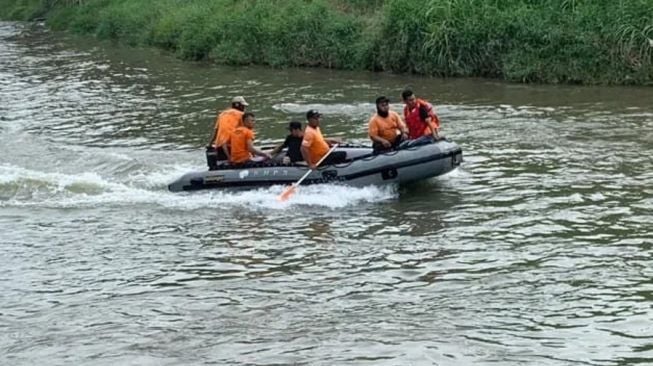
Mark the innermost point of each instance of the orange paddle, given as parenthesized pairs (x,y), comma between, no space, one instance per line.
(292,188)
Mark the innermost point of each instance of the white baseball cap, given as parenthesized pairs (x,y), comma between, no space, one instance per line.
(240,100)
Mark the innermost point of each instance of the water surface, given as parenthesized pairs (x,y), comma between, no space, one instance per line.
(537,250)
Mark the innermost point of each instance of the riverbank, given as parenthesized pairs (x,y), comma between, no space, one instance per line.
(561,41)
(537,251)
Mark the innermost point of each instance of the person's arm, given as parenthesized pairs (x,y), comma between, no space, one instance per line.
(226,147)
(432,128)
(307,141)
(277,149)
(436,125)
(306,156)
(400,125)
(333,140)
(213,135)
(215,131)
(426,117)
(380,140)
(256,151)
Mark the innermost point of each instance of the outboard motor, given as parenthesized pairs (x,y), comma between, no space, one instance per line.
(211,158)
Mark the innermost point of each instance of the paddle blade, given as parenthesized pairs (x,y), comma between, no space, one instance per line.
(287,193)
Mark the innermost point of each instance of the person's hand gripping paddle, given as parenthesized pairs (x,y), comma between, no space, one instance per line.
(288,192)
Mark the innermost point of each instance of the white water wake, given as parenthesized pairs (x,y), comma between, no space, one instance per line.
(21,187)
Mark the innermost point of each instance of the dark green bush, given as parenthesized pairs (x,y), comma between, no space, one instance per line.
(554,41)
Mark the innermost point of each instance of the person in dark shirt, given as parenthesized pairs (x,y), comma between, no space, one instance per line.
(293,142)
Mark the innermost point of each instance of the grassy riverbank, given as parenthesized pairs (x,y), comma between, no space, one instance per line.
(555,41)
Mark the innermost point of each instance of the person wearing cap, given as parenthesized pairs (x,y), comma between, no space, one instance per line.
(293,142)
(385,128)
(420,116)
(315,146)
(240,148)
(225,124)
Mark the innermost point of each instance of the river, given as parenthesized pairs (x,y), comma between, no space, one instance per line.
(536,251)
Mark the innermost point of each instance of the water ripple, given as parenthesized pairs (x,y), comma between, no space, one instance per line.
(537,250)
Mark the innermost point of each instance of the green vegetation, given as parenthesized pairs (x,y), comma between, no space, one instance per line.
(554,41)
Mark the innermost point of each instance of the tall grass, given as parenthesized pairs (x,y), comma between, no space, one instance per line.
(552,41)
(22,9)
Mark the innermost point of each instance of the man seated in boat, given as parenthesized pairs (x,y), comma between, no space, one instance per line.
(293,143)
(240,147)
(420,117)
(315,146)
(225,124)
(385,128)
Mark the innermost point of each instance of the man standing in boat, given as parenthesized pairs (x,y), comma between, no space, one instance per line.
(225,124)
(420,117)
(315,146)
(385,128)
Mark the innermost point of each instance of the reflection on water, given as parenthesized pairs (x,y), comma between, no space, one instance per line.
(536,251)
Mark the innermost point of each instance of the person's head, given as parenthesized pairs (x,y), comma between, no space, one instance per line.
(313,117)
(295,128)
(382,106)
(239,103)
(409,98)
(248,120)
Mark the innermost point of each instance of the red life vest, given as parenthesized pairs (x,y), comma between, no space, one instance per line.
(417,126)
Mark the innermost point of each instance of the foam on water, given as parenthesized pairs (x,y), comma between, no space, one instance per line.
(20,187)
(329,109)
(535,251)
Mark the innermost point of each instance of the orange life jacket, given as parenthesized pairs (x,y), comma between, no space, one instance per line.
(417,126)
(226,123)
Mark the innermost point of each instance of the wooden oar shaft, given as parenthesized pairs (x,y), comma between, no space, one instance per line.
(316,165)
(290,190)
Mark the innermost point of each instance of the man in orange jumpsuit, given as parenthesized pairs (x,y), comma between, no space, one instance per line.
(385,128)
(225,124)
